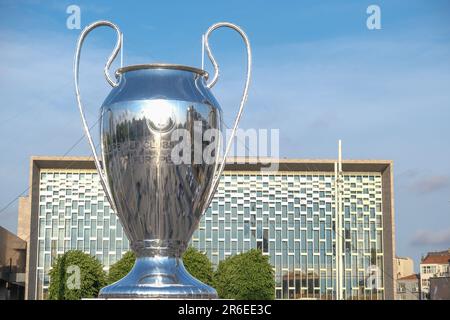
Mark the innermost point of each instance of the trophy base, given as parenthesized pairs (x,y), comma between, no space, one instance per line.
(158,278)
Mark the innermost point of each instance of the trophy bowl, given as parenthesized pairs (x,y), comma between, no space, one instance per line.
(160,132)
(159,202)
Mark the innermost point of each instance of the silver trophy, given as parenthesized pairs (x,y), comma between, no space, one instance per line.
(158,198)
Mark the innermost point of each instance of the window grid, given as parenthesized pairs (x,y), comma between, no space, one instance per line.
(290,217)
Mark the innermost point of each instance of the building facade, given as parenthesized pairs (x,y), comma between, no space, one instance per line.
(440,288)
(404,267)
(433,265)
(408,287)
(12,266)
(288,213)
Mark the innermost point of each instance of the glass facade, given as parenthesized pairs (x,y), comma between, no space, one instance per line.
(74,214)
(291,218)
(288,216)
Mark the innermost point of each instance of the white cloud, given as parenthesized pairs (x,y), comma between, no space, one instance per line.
(432,238)
(431,184)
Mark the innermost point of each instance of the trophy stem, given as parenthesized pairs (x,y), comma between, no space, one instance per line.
(158,277)
(157,247)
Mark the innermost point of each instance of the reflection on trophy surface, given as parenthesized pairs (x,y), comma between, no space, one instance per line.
(154,127)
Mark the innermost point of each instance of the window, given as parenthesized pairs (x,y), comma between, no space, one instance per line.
(278,240)
(303,240)
(315,206)
(246,229)
(309,211)
(266,240)
(284,228)
(309,229)
(80,228)
(322,212)
(347,211)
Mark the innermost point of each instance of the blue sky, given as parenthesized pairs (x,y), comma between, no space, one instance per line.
(319,75)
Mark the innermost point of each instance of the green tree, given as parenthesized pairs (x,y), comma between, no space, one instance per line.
(246,276)
(121,268)
(198,265)
(76,275)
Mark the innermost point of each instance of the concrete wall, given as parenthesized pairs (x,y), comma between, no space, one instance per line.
(12,265)
(440,288)
(23,231)
(404,267)
(389,270)
(411,290)
(12,252)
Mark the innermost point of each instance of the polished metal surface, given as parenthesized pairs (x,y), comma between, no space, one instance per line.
(248,48)
(76,68)
(162,66)
(158,200)
(168,279)
(159,203)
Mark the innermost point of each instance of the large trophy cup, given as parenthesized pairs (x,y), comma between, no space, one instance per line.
(158,199)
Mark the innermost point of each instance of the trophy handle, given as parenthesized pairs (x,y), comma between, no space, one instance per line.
(76,67)
(213,81)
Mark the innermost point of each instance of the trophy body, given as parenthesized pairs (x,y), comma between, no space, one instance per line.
(159,199)
(160,131)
